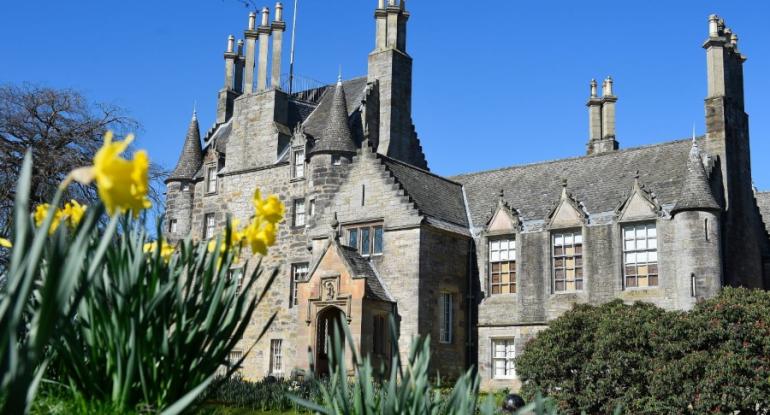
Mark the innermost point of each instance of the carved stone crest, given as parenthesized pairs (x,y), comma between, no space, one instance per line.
(329,291)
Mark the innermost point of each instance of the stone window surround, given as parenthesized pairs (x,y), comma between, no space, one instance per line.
(552,273)
(293,154)
(493,358)
(276,357)
(622,251)
(207,179)
(372,225)
(204,225)
(173,225)
(446,334)
(295,278)
(487,238)
(295,210)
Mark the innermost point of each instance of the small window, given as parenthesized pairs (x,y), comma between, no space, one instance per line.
(377,248)
(447,316)
(567,262)
(353,238)
(211,179)
(693,286)
(299,163)
(503,359)
(311,208)
(172,225)
(299,212)
(336,160)
(298,273)
(186,187)
(276,365)
(366,245)
(378,335)
(640,255)
(209,226)
(502,266)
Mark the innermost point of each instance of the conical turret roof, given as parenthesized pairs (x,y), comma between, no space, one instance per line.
(192,156)
(696,192)
(336,136)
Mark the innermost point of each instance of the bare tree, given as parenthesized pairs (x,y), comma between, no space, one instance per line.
(64,131)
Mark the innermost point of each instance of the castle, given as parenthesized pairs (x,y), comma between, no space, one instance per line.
(480,262)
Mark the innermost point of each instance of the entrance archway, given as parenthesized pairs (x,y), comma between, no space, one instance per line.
(327,319)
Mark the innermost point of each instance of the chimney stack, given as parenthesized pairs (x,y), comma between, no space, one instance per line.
(278,27)
(380,16)
(601,118)
(239,63)
(251,36)
(230,58)
(264,37)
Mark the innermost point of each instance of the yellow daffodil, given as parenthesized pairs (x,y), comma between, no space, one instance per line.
(260,235)
(41,211)
(73,213)
(235,243)
(270,209)
(166,250)
(5,243)
(122,184)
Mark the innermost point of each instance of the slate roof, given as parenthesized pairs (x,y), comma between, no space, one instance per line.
(696,190)
(434,195)
(362,268)
(600,182)
(192,156)
(336,136)
(763,201)
(354,92)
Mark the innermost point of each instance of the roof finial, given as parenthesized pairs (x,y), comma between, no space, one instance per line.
(564,187)
(502,194)
(693,133)
(195,110)
(339,76)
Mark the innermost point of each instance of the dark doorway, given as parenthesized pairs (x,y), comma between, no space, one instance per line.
(328,318)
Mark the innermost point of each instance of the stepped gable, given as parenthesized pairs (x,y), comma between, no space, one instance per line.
(355,89)
(192,155)
(433,195)
(763,201)
(696,190)
(600,181)
(362,268)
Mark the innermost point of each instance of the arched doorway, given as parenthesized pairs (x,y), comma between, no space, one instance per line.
(327,319)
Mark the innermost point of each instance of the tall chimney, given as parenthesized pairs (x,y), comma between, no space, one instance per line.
(608,110)
(380,16)
(278,27)
(594,118)
(264,37)
(230,58)
(251,36)
(239,63)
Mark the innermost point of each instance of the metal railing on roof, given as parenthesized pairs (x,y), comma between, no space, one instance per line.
(304,89)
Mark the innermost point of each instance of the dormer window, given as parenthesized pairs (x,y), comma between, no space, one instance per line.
(211,179)
(502,265)
(298,171)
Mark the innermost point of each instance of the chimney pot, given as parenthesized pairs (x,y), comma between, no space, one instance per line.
(265,16)
(593,88)
(230,44)
(713,26)
(607,91)
(240,47)
(734,40)
(381,4)
(252,21)
(278,12)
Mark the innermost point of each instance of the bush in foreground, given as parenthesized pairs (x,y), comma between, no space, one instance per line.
(715,358)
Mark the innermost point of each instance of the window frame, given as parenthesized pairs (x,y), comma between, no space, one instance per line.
(173,225)
(276,357)
(576,279)
(294,279)
(635,251)
(206,228)
(296,213)
(298,170)
(446,318)
(507,342)
(211,178)
(513,272)
(373,229)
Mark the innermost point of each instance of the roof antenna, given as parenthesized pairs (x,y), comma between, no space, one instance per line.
(291,59)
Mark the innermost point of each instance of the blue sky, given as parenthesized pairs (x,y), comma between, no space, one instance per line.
(496,83)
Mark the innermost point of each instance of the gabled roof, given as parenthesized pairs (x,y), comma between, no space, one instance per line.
(763,201)
(433,195)
(600,181)
(696,190)
(192,156)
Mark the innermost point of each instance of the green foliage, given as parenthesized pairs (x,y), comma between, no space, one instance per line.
(713,359)
(265,395)
(149,331)
(42,288)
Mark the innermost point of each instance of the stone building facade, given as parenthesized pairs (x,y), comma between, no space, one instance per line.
(480,262)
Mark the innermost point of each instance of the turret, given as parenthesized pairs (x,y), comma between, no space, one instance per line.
(697,235)
(336,138)
(179,185)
